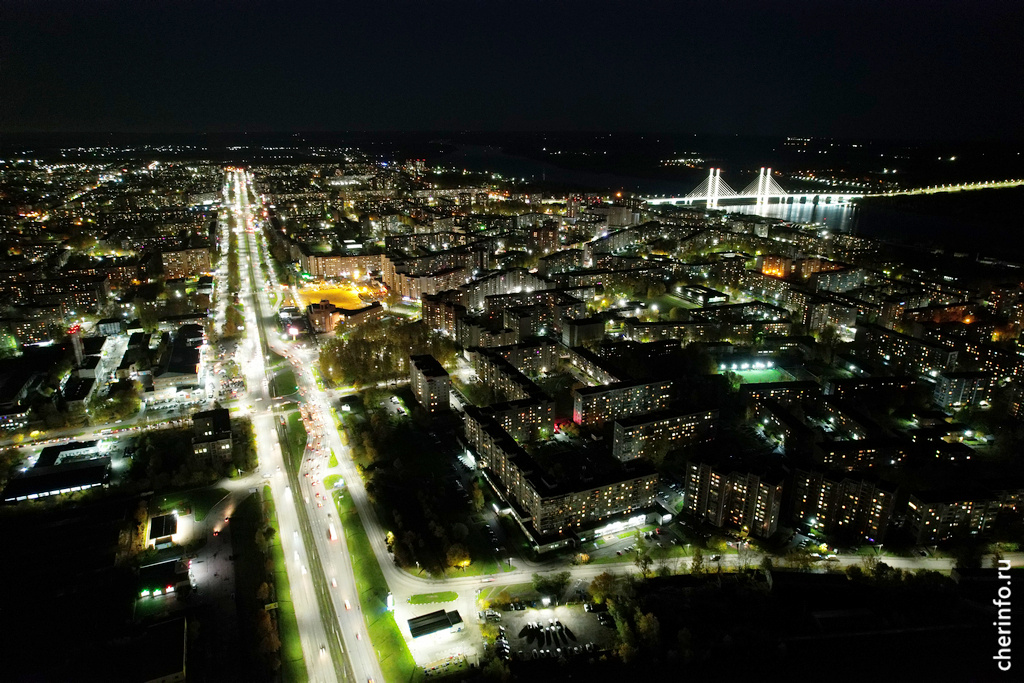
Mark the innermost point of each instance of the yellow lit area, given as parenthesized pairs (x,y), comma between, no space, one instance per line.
(346,296)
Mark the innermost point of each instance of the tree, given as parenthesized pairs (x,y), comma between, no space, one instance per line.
(263,592)
(552,585)
(234,322)
(627,652)
(829,339)
(8,345)
(697,561)
(496,670)
(648,629)
(458,556)
(603,587)
(478,497)
(643,562)
(9,459)
(149,319)
(264,624)
(270,642)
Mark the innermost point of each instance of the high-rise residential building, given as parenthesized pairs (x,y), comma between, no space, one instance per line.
(954,389)
(936,517)
(745,500)
(597,405)
(430,383)
(185,263)
(642,436)
(855,506)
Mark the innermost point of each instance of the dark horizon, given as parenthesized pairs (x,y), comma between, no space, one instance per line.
(928,71)
(156,134)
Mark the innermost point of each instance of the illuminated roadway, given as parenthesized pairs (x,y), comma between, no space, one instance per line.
(328,562)
(317,627)
(328,581)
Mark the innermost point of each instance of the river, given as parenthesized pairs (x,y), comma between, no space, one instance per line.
(983,221)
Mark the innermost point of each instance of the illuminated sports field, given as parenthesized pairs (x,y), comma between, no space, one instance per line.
(766,375)
(343,297)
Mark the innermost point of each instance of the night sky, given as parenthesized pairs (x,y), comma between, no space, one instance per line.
(934,69)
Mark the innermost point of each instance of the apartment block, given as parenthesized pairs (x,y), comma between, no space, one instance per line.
(597,405)
(955,389)
(185,263)
(430,383)
(745,500)
(641,436)
(906,353)
(847,505)
(932,518)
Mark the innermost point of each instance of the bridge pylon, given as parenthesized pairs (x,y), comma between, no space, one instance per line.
(764,188)
(712,189)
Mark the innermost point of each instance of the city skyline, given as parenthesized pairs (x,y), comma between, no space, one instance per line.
(485,341)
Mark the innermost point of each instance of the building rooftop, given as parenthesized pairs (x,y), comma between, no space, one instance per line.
(428,365)
(44,481)
(164,525)
(433,622)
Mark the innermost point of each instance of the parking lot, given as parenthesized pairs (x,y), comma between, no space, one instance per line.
(564,632)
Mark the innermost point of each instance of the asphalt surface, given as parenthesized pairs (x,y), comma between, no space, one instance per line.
(334,639)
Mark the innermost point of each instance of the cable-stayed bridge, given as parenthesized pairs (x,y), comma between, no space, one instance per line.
(715,192)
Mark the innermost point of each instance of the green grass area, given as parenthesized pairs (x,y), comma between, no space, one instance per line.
(427,598)
(614,559)
(333,462)
(196,501)
(204,499)
(276,361)
(331,480)
(667,302)
(481,567)
(396,662)
(284,383)
(293,665)
(296,437)
(524,591)
(766,375)
(632,532)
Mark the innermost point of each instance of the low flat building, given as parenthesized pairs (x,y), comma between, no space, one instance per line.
(435,622)
(41,482)
(162,529)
